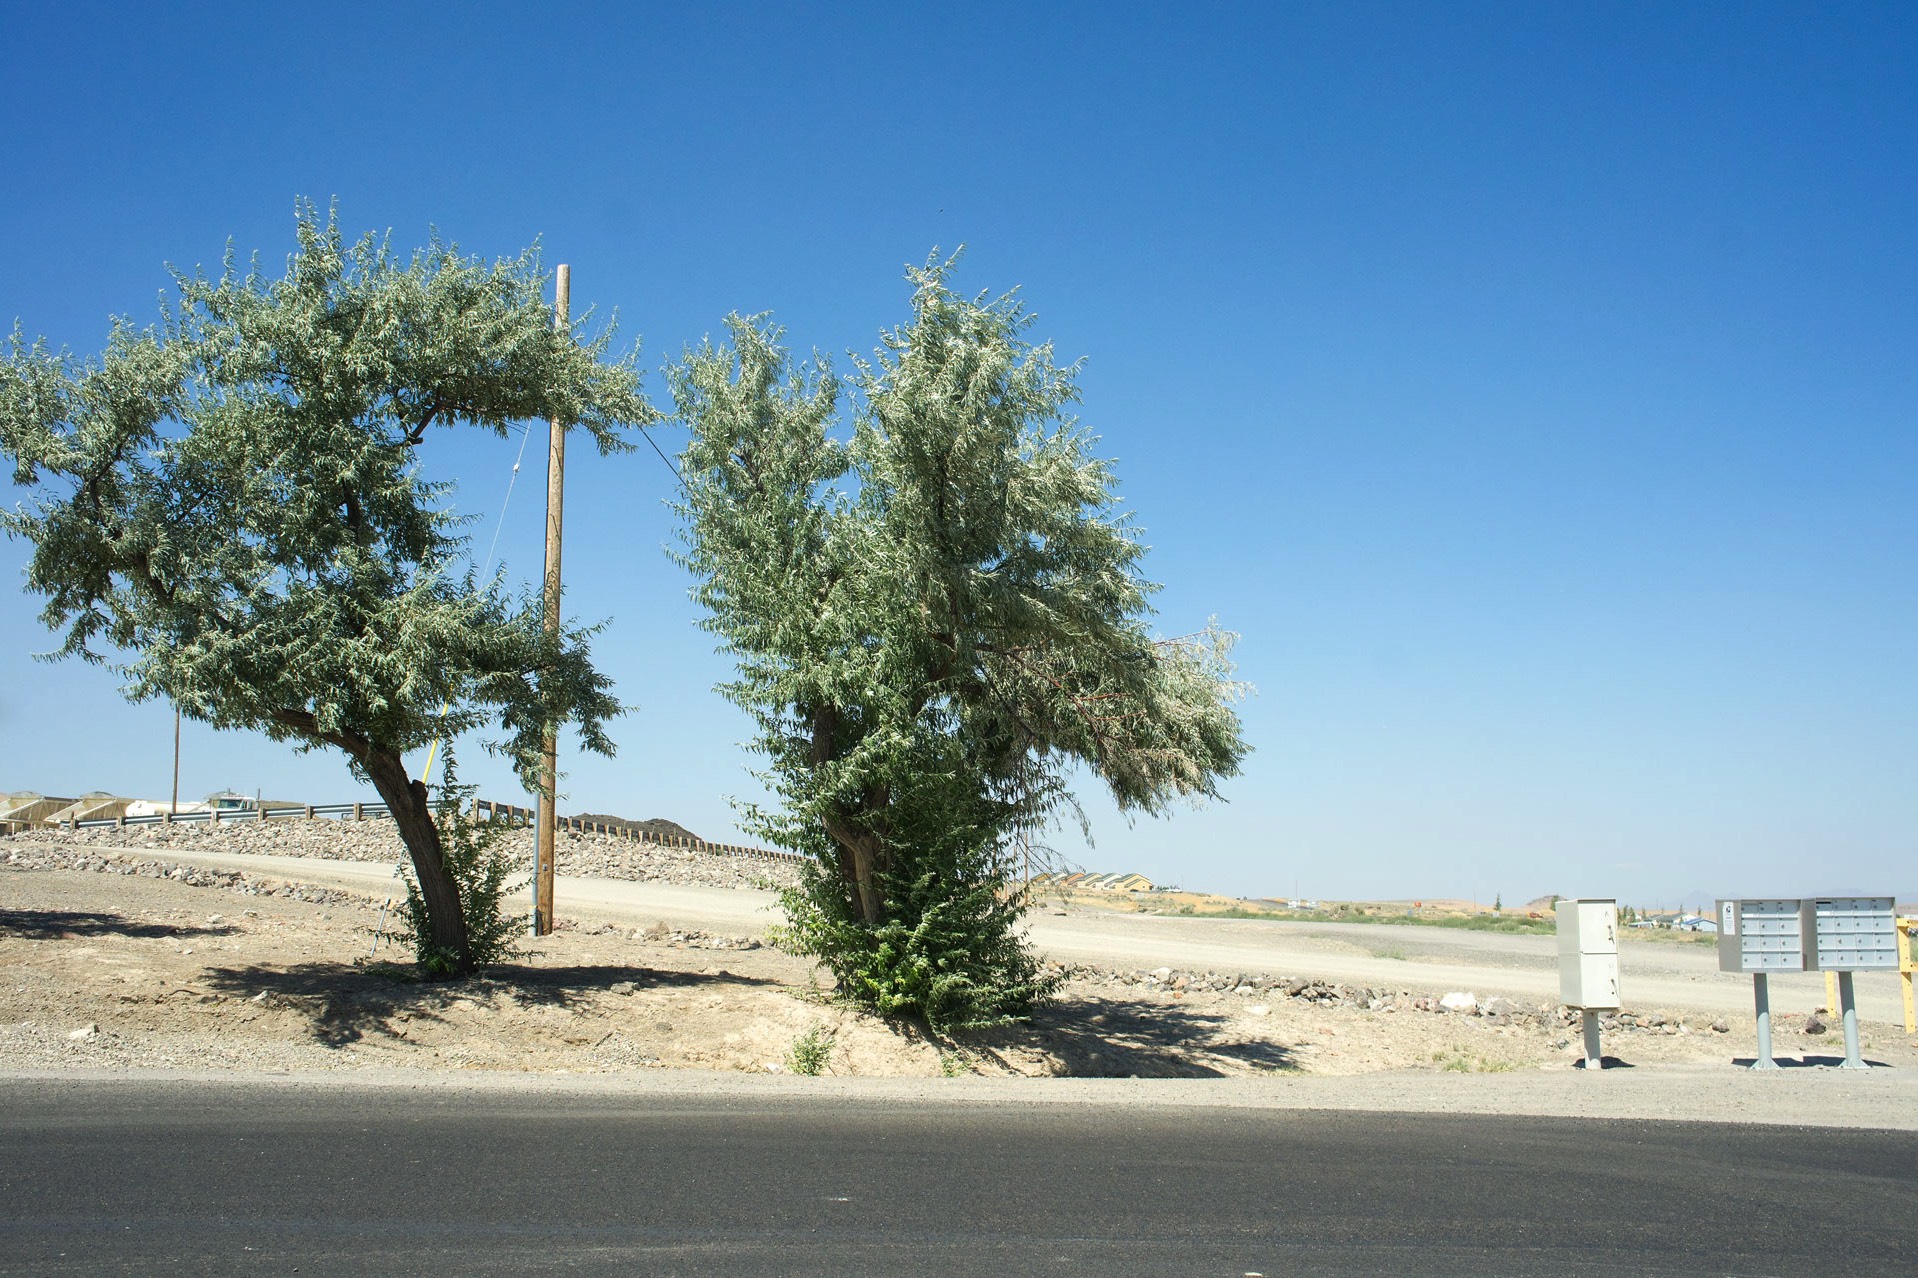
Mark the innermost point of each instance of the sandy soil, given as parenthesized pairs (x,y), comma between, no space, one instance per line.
(121,972)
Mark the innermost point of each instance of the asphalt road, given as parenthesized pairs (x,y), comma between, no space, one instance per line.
(1660,975)
(143,1177)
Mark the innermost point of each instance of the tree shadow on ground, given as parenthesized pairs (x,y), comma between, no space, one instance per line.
(1124,1038)
(63,925)
(345,1002)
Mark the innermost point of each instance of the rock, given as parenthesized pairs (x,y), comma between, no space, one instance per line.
(1258,1009)
(1297,986)
(621,987)
(216,918)
(1815,1026)
(84,1033)
(1720,1027)
(1459,1001)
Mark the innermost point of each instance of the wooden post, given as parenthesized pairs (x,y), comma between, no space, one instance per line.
(555,522)
(1907,965)
(176,760)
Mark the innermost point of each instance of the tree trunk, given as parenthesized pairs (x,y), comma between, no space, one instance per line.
(855,851)
(413,814)
(872,902)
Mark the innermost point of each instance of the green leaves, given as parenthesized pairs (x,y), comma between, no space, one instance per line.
(931,620)
(232,502)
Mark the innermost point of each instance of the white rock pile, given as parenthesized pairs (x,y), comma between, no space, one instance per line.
(36,852)
(593,855)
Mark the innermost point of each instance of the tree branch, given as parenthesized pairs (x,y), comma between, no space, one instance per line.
(359,748)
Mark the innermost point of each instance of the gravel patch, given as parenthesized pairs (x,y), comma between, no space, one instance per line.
(602,856)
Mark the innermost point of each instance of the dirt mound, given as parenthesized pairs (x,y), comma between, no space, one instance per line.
(652,828)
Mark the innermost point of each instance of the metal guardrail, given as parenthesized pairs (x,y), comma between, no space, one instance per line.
(486,808)
(215,816)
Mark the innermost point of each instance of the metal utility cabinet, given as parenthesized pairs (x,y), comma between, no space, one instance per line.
(1588,954)
(1763,936)
(1588,964)
(1842,934)
(1852,934)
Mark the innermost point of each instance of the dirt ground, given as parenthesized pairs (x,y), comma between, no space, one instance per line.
(115,971)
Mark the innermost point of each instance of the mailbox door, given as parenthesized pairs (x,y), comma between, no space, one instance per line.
(1588,927)
(1763,935)
(1855,934)
(1771,936)
(1589,980)
(1598,927)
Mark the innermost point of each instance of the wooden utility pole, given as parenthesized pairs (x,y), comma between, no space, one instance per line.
(555,519)
(175,811)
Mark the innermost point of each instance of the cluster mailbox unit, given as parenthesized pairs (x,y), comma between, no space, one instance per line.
(1588,964)
(1842,934)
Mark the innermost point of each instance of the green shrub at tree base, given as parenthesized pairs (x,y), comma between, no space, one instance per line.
(482,874)
(948,953)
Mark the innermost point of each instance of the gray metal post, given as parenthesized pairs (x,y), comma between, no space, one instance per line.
(535,920)
(1761,994)
(1849,1011)
(1589,1023)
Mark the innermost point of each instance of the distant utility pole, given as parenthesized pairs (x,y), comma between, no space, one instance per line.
(175,811)
(555,512)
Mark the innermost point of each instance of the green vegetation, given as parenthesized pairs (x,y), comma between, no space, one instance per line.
(1459,1061)
(936,611)
(233,504)
(480,872)
(1472,923)
(810,1052)
(1348,912)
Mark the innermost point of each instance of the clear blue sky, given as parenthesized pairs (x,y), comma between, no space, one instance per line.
(1533,387)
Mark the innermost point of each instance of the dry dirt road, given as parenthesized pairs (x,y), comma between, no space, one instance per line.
(1679,977)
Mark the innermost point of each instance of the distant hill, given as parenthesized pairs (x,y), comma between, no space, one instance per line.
(654,827)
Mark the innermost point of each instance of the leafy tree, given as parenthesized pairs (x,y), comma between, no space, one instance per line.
(232,510)
(933,616)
